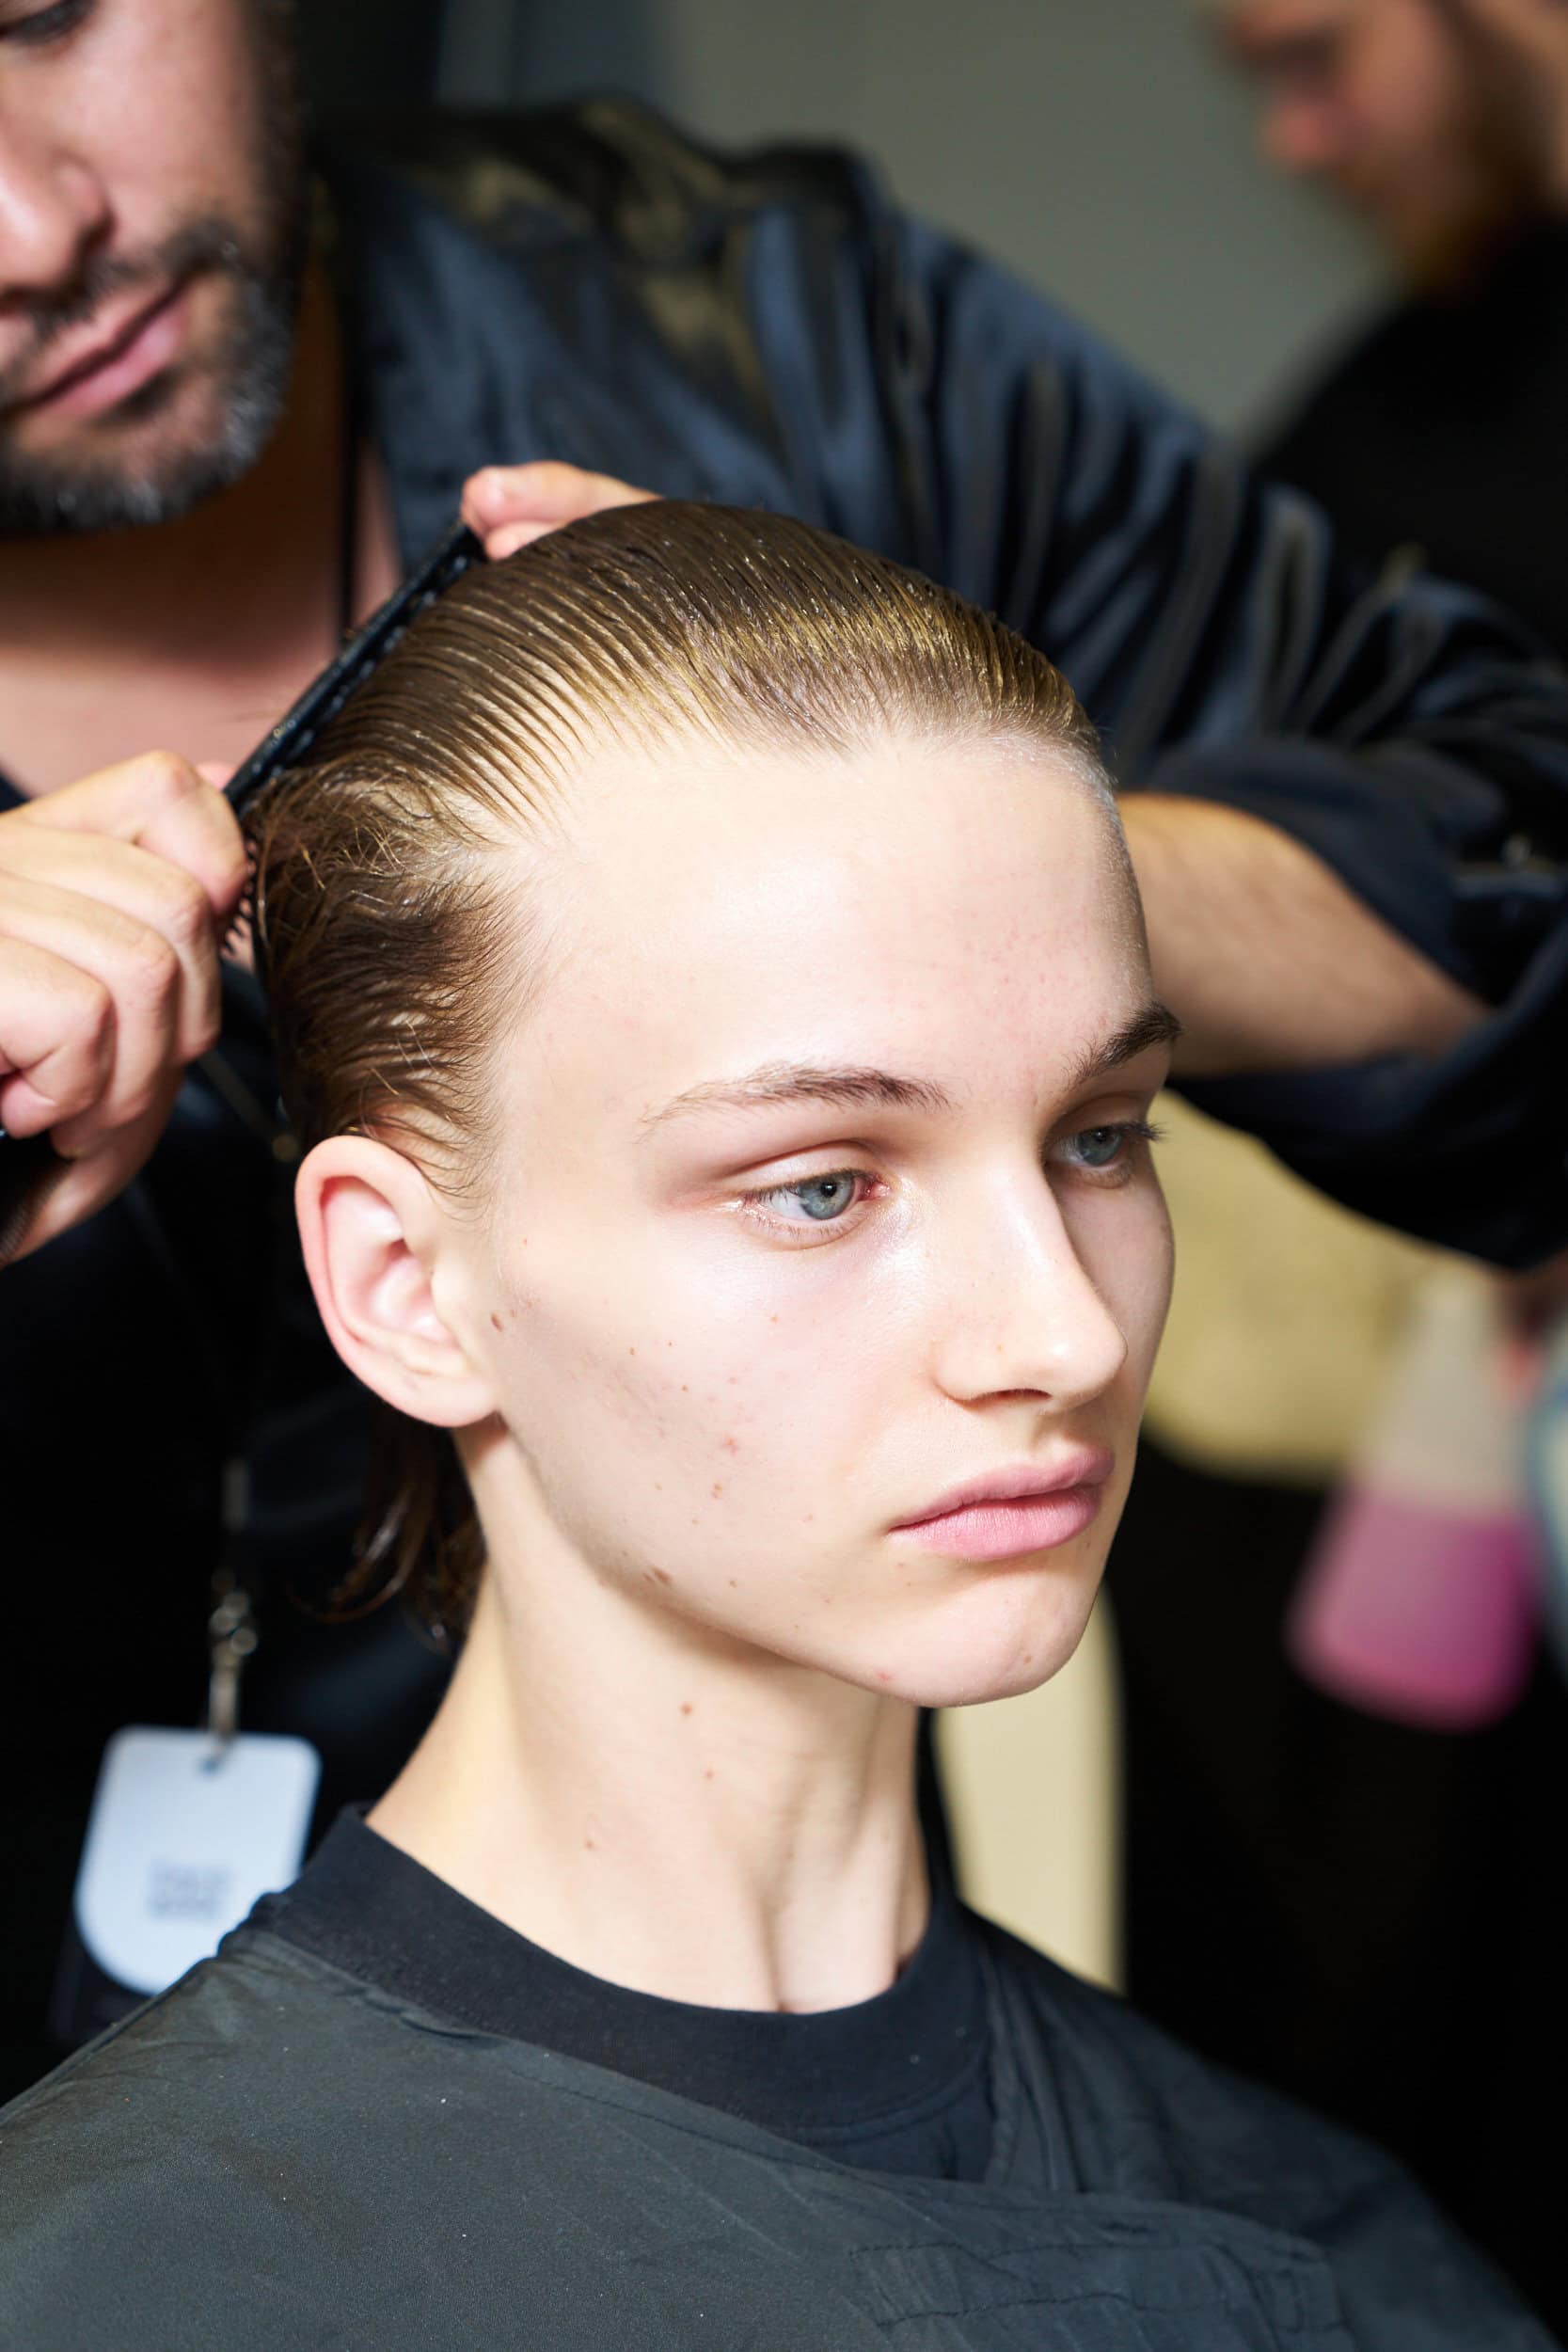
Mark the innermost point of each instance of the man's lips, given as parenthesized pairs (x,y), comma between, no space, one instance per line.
(1009,1512)
(114,358)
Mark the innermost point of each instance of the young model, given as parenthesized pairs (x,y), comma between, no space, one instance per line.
(709,979)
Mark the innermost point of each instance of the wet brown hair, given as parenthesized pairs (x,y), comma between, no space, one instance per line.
(390,917)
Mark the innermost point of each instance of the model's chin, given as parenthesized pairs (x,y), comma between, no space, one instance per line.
(1002,1636)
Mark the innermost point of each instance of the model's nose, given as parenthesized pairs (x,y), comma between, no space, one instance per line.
(1024,1316)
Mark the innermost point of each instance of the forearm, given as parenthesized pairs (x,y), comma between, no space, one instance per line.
(1268,959)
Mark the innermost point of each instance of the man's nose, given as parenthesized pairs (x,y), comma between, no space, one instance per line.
(52,211)
(1024,1317)
(1301,133)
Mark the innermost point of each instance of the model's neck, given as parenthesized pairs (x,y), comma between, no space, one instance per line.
(248,553)
(666,1808)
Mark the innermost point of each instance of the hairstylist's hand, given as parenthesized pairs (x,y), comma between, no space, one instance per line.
(507,506)
(115,893)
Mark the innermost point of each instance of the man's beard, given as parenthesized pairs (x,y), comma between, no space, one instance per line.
(248,373)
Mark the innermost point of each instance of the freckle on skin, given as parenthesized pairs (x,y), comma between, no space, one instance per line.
(734,1582)
(631,1351)
(732,1445)
(686,1707)
(590,1845)
(717,1492)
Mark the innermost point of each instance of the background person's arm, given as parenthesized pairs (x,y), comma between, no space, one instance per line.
(1272,963)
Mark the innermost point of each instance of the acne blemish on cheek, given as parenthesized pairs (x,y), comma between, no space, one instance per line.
(495,1323)
(662,1576)
(717,1492)
(732,1445)
(686,1707)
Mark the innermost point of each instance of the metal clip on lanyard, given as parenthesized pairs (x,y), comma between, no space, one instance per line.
(231,1633)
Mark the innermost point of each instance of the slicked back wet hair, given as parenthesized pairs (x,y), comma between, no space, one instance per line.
(393,907)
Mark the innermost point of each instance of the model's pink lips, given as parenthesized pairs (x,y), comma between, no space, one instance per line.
(116,359)
(1009,1512)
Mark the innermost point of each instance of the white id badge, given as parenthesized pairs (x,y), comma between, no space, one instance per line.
(185,1832)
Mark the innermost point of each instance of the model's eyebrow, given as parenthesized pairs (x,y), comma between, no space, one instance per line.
(1153,1024)
(885,1090)
(806,1082)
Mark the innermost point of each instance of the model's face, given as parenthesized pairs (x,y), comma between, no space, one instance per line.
(818,1194)
(1422,120)
(150,205)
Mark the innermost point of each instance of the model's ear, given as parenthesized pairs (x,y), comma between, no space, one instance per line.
(373,1235)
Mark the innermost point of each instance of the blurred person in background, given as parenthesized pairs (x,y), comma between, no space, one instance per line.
(244,380)
(1437,436)
(1366,1848)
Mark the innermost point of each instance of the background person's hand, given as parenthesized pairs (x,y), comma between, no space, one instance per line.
(507,506)
(115,893)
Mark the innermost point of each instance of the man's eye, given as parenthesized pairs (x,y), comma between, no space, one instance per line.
(35,31)
(817,1199)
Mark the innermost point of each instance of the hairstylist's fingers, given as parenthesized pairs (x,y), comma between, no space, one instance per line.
(514,536)
(540,497)
(56,1038)
(138,973)
(144,926)
(160,804)
(78,1188)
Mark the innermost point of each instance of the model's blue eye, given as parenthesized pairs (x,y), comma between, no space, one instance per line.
(1099,1146)
(819,1197)
(46,25)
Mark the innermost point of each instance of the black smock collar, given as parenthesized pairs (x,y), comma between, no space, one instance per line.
(900,2082)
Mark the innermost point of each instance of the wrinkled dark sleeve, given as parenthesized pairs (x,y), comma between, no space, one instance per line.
(1407,732)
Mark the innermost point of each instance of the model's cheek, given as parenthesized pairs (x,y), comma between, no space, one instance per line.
(1125,1246)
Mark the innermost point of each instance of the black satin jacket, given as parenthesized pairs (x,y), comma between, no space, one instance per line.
(588,285)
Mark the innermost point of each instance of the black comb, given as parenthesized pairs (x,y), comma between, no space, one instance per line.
(28,1164)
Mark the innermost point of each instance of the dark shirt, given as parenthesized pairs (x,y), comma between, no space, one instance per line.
(588,285)
(1439,434)
(352,2131)
(900,2083)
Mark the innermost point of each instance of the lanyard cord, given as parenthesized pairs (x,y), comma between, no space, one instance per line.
(236,1585)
